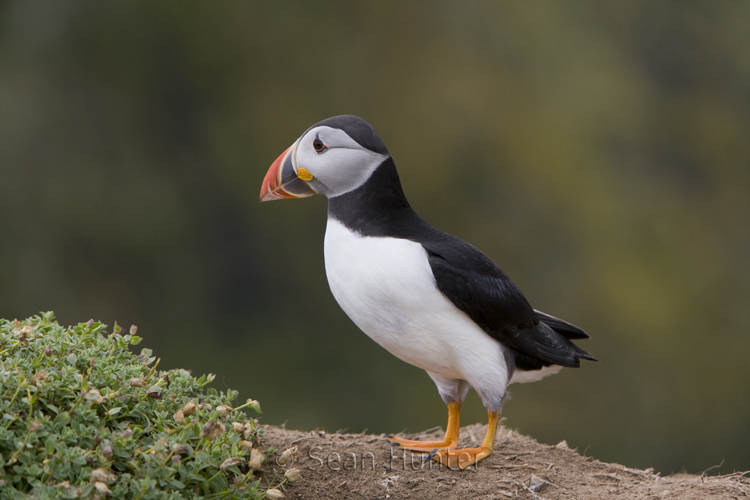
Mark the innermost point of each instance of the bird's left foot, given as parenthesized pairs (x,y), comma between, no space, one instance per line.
(460,458)
(450,440)
(422,446)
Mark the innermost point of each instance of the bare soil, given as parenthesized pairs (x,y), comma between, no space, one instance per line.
(362,466)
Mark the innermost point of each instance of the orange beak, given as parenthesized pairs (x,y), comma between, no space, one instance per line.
(281,180)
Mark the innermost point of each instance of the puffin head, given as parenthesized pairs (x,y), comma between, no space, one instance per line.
(333,157)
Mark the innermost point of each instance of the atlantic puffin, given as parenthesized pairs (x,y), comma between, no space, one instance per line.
(428,297)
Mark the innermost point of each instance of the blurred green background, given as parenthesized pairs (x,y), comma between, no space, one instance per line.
(598,151)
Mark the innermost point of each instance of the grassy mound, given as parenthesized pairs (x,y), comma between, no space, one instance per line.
(81,416)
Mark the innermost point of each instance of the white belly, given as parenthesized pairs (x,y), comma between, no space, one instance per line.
(386,286)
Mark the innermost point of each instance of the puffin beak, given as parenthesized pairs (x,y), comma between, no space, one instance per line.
(282,180)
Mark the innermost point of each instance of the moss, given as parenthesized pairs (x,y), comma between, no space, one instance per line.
(81,416)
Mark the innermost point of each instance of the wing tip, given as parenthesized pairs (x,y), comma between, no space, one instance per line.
(567,330)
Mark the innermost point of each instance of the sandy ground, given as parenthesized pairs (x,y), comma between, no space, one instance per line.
(359,466)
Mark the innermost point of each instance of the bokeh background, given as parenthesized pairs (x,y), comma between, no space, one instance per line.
(598,151)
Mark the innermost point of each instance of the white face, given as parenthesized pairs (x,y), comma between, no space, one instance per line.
(339,164)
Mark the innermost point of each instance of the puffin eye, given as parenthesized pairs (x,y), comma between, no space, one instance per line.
(318,145)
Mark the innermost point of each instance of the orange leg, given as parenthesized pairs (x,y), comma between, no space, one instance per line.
(448,443)
(462,458)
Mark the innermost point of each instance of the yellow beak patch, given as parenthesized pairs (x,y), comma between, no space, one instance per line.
(304,174)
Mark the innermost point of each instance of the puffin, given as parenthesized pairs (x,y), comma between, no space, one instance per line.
(426,296)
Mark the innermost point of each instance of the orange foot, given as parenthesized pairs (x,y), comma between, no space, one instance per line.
(445,451)
(422,446)
(449,441)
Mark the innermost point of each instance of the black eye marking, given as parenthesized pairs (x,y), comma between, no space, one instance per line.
(318,145)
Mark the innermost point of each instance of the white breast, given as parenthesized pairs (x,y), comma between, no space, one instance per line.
(386,286)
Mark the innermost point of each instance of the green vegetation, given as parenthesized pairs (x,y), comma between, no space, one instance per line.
(83,417)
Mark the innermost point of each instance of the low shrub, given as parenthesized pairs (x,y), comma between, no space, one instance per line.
(81,416)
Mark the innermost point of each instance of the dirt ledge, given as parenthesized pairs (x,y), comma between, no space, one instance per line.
(359,466)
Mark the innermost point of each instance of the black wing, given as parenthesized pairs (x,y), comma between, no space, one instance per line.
(482,290)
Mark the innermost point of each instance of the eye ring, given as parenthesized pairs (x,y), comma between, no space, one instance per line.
(318,145)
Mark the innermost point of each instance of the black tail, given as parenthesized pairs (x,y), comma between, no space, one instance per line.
(568,331)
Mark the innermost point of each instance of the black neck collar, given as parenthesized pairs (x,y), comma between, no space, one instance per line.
(377,208)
